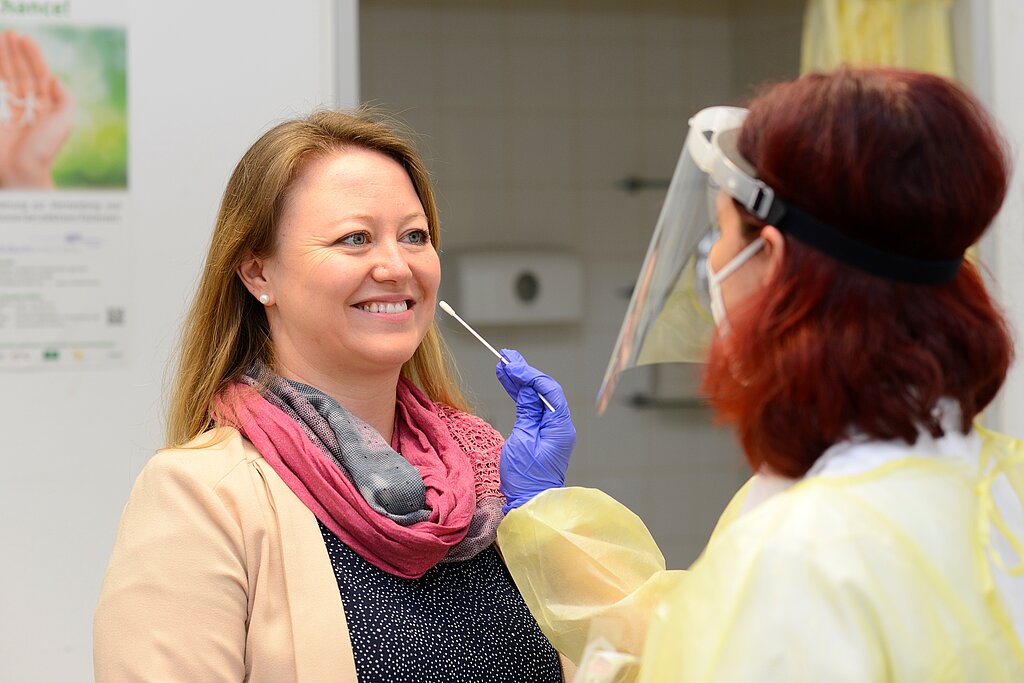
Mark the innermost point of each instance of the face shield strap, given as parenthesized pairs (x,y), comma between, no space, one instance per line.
(826,239)
(735,175)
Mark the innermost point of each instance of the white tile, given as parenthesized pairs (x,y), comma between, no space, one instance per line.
(475,365)
(689,438)
(681,551)
(475,217)
(698,497)
(607,22)
(609,148)
(481,21)
(387,19)
(610,280)
(614,222)
(544,218)
(608,76)
(766,44)
(551,20)
(664,71)
(474,147)
(542,76)
(629,488)
(686,62)
(709,492)
(687,6)
(422,126)
(551,348)
(671,21)
(661,142)
(399,73)
(473,75)
(542,150)
(442,174)
(662,25)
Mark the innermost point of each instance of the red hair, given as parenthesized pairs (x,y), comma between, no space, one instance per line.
(907,162)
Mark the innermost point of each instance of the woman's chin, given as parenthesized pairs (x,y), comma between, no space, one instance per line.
(386,360)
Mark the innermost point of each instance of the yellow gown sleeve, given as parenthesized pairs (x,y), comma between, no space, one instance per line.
(174,604)
(585,564)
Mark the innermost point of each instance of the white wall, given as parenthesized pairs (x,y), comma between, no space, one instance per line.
(531,112)
(204,80)
(999,52)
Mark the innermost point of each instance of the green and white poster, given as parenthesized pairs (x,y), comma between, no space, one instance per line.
(64,184)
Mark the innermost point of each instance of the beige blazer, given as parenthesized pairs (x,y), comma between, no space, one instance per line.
(219,573)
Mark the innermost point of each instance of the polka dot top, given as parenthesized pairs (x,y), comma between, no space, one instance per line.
(461,621)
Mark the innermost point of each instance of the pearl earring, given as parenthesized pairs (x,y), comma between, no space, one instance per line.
(264,299)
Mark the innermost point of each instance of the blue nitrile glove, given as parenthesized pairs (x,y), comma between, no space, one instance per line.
(536,453)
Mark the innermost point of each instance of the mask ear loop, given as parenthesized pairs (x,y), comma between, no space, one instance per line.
(736,261)
(718,311)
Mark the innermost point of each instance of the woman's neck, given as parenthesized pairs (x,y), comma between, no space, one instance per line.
(370,397)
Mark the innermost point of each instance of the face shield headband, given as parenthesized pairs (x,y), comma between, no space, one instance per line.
(728,169)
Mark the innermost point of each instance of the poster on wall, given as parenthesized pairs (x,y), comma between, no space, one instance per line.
(64,185)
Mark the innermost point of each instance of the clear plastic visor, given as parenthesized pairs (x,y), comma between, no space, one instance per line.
(669,315)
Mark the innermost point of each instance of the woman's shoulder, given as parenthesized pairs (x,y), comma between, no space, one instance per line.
(210,458)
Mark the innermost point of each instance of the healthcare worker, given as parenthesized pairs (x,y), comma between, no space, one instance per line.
(854,347)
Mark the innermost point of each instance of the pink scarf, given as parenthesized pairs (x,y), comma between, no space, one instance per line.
(423,440)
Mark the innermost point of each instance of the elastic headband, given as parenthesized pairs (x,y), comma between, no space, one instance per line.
(823,237)
(738,177)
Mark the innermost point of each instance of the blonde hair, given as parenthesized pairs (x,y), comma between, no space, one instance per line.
(226,329)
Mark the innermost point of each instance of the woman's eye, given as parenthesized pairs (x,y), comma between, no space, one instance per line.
(417,237)
(356,239)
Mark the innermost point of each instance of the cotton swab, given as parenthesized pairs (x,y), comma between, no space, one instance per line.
(451,311)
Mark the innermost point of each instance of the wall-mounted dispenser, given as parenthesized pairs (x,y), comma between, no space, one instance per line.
(499,287)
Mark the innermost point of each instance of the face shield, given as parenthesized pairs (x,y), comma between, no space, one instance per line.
(669,316)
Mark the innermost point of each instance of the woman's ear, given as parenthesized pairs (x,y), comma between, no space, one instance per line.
(775,250)
(251,272)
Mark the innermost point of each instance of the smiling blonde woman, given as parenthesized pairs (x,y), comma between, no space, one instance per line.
(326,508)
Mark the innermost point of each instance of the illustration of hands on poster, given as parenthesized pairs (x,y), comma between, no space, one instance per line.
(64,193)
(63,108)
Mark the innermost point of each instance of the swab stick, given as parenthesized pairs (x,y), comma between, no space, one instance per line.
(451,311)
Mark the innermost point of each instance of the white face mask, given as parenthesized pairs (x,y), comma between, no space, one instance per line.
(715,282)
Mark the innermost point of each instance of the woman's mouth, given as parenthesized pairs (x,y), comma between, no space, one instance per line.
(384,307)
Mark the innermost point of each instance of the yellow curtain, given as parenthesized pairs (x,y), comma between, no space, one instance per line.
(906,33)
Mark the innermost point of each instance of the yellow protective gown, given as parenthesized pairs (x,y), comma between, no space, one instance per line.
(911,570)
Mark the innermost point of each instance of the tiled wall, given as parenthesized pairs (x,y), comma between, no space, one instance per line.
(530,112)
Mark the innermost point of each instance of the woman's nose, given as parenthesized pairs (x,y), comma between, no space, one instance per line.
(391,264)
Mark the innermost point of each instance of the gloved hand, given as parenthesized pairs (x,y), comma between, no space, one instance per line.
(536,453)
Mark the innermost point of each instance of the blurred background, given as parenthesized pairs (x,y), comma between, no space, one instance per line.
(535,117)
(551,129)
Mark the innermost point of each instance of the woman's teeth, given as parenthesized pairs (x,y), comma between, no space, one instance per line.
(385,308)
